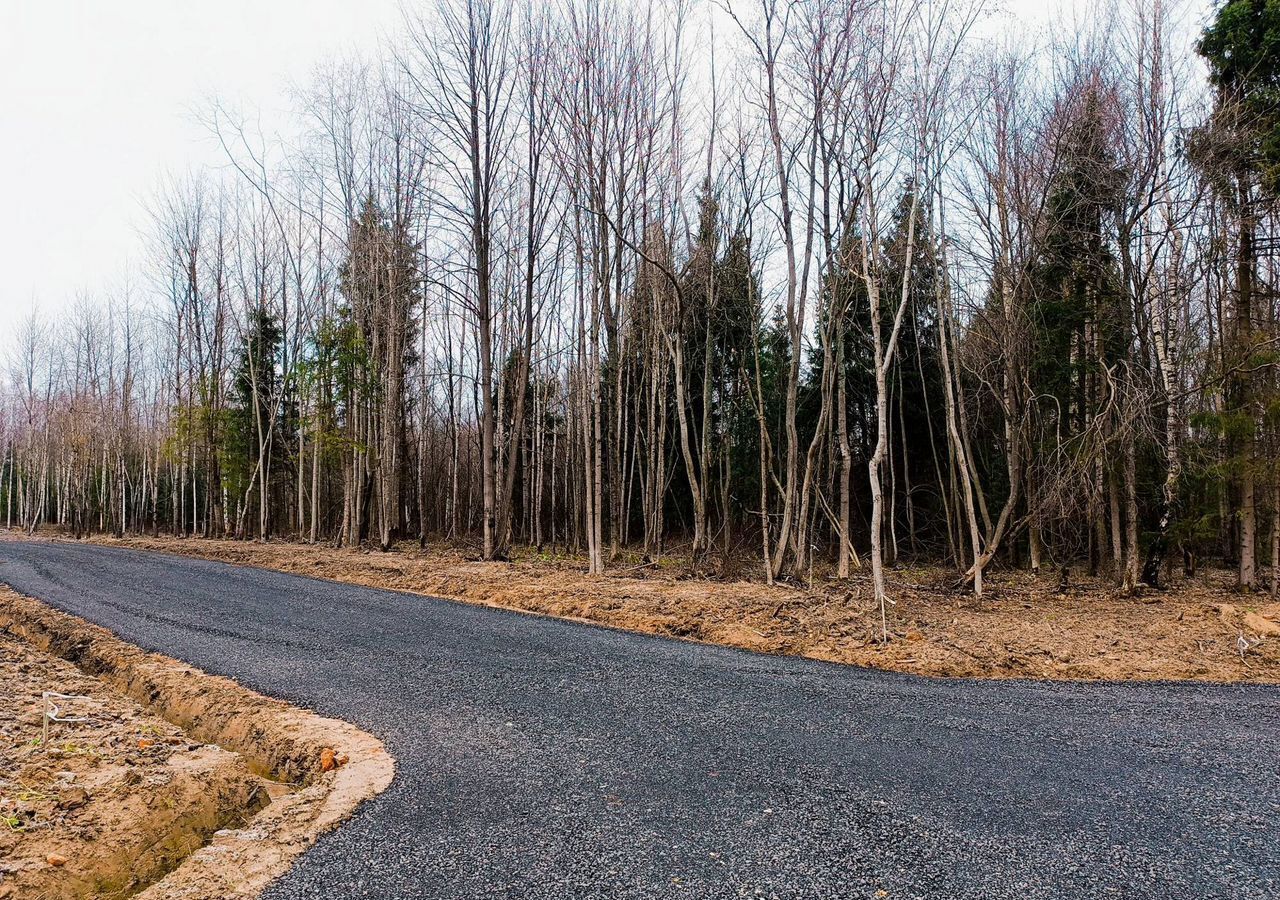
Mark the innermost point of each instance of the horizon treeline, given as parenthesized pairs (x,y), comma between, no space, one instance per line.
(765,284)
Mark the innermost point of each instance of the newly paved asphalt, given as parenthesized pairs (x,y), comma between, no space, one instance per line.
(539,758)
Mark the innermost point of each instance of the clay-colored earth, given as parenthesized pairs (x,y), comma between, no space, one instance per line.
(169,784)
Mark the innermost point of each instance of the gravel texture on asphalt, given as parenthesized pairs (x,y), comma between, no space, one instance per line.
(543,758)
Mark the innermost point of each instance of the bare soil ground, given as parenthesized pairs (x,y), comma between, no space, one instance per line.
(173,784)
(1024,627)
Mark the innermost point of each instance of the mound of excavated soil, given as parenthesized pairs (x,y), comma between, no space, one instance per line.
(1024,627)
(113,801)
(171,784)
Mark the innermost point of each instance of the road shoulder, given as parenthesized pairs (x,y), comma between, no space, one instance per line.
(247,782)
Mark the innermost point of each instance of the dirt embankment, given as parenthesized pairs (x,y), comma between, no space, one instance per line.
(1023,627)
(172,784)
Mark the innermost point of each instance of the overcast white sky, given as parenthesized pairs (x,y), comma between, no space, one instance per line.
(96,107)
(96,103)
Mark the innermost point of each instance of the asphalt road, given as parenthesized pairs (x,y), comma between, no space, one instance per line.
(541,758)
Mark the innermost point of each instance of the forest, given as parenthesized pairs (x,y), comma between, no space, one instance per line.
(768,285)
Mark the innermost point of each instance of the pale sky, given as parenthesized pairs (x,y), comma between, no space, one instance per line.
(97,106)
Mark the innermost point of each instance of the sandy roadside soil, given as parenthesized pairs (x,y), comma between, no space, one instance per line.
(171,784)
(1023,627)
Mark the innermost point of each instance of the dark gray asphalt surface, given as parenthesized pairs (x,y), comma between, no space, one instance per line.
(539,758)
